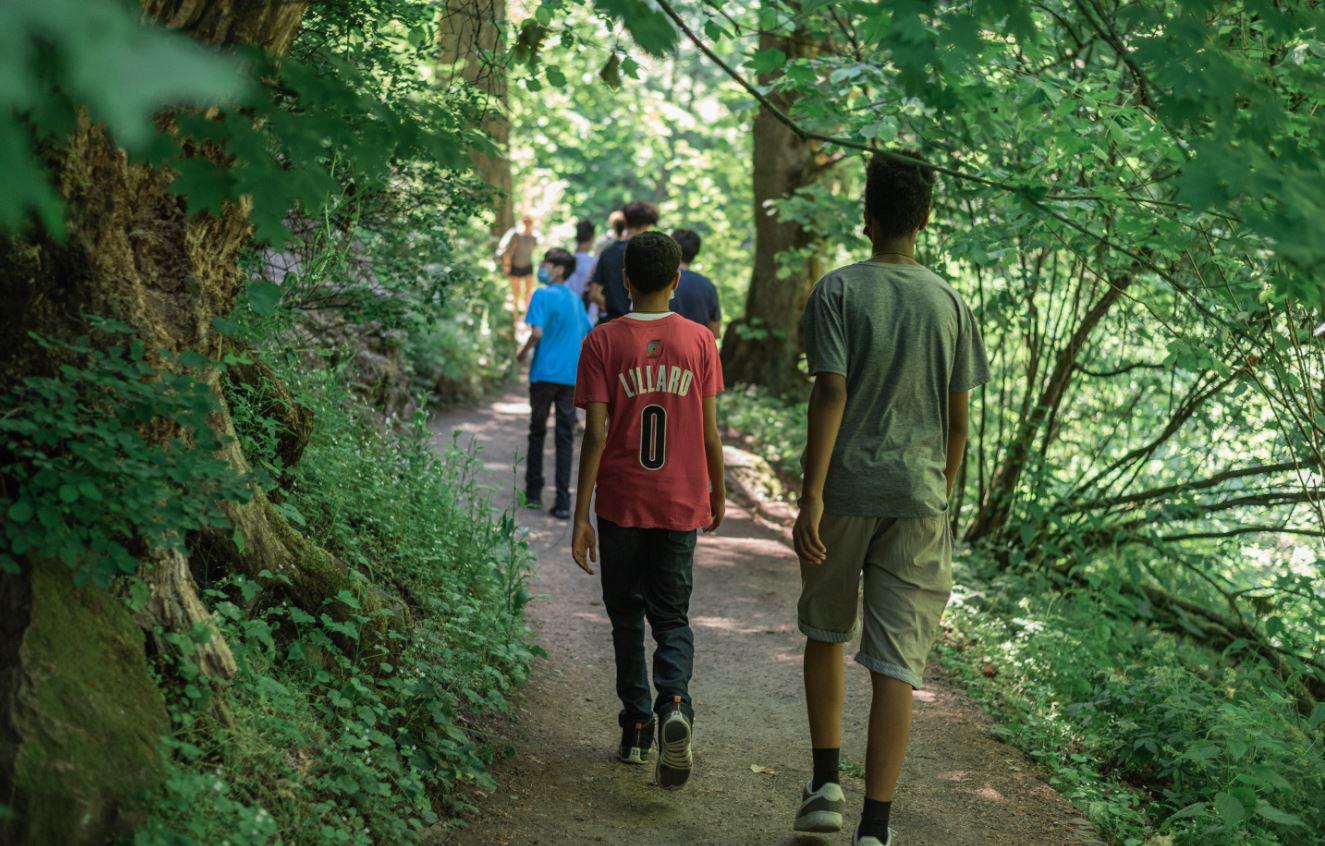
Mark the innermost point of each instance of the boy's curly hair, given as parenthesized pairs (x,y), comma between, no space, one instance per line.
(651,262)
(897,195)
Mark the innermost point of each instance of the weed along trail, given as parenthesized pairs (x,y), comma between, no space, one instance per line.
(562,785)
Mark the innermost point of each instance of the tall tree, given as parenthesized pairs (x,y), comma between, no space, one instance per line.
(81,718)
(763,346)
(471,36)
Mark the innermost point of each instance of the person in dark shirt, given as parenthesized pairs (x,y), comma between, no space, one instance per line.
(607,287)
(696,296)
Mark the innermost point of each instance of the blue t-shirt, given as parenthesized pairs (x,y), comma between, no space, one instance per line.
(696,298)
(560,314)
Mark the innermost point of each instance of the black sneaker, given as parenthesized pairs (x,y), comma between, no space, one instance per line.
(821,810)
(561,512)
(636,741)
(533,504)
(674,756)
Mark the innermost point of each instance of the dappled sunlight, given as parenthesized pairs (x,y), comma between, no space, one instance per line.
(512,409)
(990,794)
(735,626)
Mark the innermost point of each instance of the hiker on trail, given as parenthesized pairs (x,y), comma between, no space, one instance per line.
(557,326)
(516,253)
(894,351)
(605,285)
(696,296)
(616,227)
(585,261)
(649,382)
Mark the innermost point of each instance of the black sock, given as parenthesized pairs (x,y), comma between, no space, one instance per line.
(825,767)
(874,819)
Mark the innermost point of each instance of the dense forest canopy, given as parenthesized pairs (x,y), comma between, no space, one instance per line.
(218,216)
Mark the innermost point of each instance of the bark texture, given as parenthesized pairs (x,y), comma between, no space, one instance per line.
(762,347)
(80,717)
(471,36)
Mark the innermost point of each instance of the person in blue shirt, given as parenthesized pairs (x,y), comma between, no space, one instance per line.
(696,296)
(557,324)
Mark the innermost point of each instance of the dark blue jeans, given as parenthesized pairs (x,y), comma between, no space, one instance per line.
(647,575)
(544,396)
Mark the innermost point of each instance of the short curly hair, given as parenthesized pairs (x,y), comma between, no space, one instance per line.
(897,194)
(652,260)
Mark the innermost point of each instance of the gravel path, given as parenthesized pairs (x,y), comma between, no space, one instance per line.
(961,787)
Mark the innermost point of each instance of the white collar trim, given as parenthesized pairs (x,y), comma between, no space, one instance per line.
(649,315)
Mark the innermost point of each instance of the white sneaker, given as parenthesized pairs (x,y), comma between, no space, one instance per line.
(857,840)
(820,810)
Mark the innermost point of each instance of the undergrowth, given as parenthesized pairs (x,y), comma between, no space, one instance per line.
(320,739)
(1159,740)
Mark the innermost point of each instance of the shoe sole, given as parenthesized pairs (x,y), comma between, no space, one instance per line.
(819,822)
(670,778)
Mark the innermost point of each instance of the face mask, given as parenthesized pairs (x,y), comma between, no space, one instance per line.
(544,275)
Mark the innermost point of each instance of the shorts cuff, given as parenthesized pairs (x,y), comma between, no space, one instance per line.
(887,668)
(823,635)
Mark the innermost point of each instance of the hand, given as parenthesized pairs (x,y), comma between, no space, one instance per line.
(717,505)
(522,354)
(584,545)
(805,534)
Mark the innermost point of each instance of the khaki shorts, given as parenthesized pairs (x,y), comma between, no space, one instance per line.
(907,567)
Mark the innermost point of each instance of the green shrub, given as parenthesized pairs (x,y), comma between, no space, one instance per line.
(113,451)
(324,742)
(1144,731)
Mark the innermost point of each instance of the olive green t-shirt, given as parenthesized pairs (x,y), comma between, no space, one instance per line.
(904,340)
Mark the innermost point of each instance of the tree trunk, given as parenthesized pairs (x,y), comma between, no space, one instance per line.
(763,347)
(133,254)
(471,34)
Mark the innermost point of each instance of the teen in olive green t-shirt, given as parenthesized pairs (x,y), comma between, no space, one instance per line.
(894,352)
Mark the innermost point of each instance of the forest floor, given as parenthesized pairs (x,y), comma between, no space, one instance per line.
(961,786)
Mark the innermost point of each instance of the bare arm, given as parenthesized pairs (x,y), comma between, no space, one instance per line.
(535,334)
(715,326)
(827,402)
(584,541)
(958,428)
(713,455)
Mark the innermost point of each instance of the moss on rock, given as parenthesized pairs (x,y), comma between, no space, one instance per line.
(81,719)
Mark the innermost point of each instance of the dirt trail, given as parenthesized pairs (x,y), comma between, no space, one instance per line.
(961,786)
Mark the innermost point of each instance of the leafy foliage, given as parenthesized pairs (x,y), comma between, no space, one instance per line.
(328,742)
(85,481)
(1106,706)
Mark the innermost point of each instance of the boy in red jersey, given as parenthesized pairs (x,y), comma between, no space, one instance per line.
(658,470)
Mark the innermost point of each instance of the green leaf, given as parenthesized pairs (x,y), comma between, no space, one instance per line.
(263,296)
(555,77)
(20,511)
(1274,815)
(767,60)
(1230,808)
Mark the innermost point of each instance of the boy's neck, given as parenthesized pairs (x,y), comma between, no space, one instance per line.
(584,246)
(895,249)
(658,301)
(685,265)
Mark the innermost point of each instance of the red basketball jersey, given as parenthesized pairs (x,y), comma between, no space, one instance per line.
(653,371)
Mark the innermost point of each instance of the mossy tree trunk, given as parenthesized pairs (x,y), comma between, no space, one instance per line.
(133,254)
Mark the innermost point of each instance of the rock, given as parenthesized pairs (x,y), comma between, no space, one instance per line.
(80,718)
